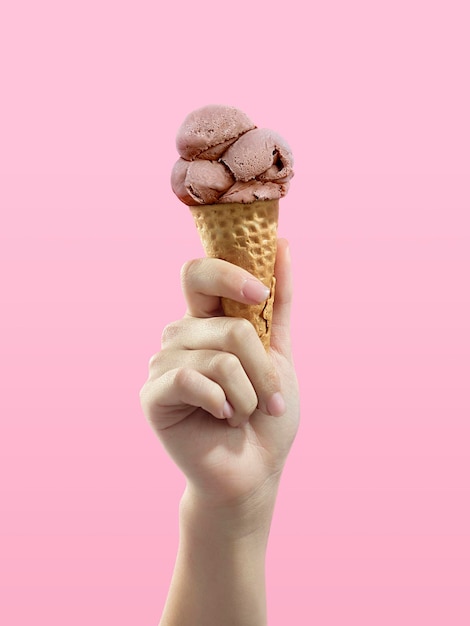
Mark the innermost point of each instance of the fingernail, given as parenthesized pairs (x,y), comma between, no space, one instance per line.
(276,405)
(255,291)
(227,410)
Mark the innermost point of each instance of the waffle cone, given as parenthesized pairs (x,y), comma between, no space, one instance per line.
(246,235)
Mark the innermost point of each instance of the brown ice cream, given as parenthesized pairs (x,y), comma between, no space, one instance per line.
(224,158)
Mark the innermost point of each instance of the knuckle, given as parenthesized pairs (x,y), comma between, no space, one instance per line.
(183,378)
(158,364)
(240,331)
(154,361)
(187,271)
(170,333)
(224,364)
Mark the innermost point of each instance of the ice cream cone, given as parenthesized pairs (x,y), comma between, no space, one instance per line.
(246,235)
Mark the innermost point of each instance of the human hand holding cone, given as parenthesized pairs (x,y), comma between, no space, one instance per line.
(231,175)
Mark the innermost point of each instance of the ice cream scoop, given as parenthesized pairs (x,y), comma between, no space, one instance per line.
(232,175)
(258,162)
(207,132)
(260,153)
(200,181)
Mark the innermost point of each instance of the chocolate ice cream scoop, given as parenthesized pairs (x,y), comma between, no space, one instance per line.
(225,158)
(207,132)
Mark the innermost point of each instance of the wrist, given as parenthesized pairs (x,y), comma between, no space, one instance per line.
(247,518)
(219,575)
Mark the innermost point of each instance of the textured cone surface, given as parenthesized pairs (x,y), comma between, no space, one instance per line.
(246,235)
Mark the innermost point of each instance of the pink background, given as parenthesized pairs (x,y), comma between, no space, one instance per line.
(372,525)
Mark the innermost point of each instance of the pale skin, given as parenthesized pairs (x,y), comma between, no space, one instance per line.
(227,413)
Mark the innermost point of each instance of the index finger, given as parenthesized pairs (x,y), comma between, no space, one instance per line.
(205,281)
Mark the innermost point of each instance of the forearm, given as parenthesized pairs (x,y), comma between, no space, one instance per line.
(219,575)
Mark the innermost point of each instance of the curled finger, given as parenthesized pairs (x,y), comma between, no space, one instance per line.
(172,397)
(205,281)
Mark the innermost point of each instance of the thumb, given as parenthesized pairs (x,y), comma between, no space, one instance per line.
(280,332)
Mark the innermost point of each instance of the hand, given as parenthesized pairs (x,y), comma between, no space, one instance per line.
(226,410)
